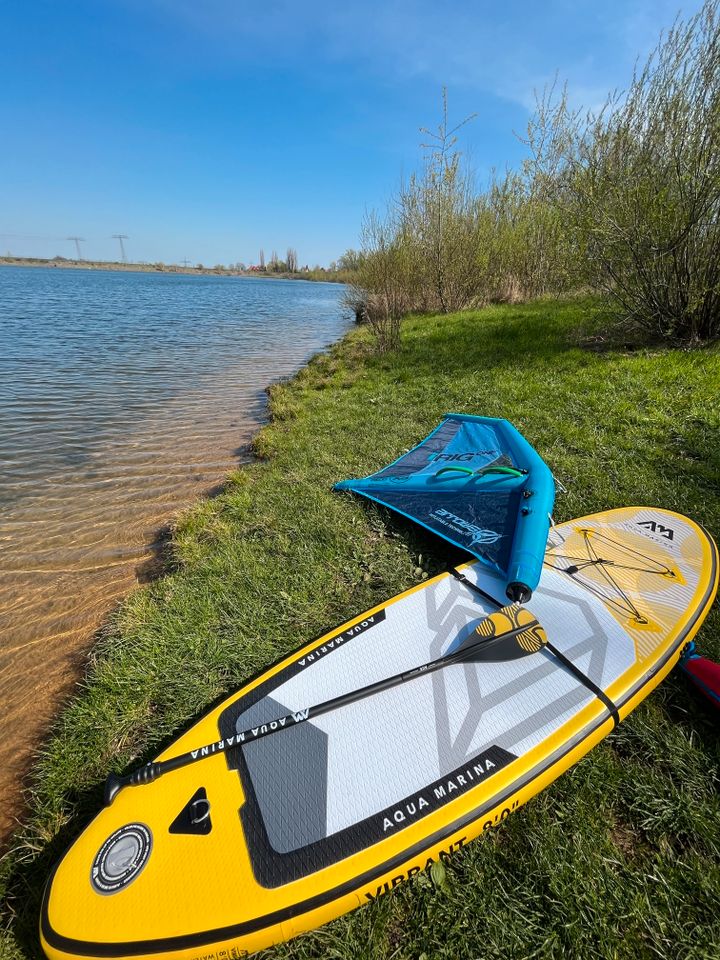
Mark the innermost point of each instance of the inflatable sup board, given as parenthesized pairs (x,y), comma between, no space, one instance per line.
(266,833)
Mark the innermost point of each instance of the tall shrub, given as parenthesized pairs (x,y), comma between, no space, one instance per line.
(383,289)
(647,187)
(421,254)
(437,212)
(627,201)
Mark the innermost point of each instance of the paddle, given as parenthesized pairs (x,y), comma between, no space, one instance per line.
(567,663)
(509,634)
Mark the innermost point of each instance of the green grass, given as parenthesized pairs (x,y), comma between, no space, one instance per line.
(620,857)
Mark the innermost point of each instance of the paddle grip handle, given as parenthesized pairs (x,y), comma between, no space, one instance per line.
(146,774)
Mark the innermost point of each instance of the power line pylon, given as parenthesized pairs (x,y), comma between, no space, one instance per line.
(78,241)
(121,237)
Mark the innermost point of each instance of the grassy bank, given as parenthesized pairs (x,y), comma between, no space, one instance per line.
(620,858)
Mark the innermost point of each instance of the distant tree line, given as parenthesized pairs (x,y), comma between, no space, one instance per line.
(624,201)
(343,270)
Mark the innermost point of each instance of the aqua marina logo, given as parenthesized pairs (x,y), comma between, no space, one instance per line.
(667,532)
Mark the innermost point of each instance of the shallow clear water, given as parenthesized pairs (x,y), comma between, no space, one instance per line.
(122,397)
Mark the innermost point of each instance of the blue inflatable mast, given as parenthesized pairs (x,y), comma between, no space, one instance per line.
(478,483)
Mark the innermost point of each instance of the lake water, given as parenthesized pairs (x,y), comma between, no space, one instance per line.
(123,396)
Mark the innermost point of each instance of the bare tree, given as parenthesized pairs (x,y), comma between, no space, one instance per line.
(261,261)
(443,198)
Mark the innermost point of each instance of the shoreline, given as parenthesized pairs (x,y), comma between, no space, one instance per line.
(153,562)
(70,638)
(169,268)
(278,557)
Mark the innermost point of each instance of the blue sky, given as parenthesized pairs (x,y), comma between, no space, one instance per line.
(206,129)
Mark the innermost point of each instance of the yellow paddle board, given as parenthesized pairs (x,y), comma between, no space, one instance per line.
(270,832)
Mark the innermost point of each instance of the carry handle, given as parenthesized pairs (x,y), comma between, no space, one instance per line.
(455,469)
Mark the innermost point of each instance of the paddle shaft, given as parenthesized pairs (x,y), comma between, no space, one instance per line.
(151,771)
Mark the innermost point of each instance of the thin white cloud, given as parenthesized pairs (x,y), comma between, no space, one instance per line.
(509,52)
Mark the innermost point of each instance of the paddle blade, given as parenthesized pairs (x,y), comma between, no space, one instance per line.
(509,634)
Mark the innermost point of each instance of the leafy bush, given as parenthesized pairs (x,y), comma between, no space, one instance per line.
(626,201)
(647,187)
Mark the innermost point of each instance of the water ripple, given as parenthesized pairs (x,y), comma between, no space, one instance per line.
(122,397)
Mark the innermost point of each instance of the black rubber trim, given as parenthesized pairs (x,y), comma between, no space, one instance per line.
(186,941)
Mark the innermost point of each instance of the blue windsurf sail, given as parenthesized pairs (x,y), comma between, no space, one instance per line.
(478,483)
